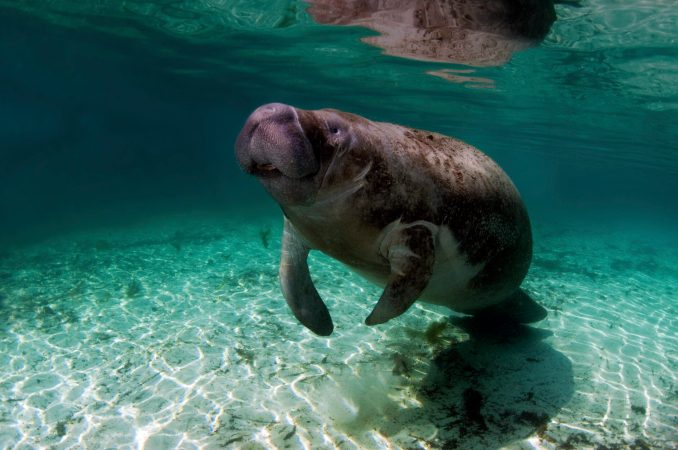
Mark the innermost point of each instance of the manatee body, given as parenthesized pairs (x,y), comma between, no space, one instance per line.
(424,215)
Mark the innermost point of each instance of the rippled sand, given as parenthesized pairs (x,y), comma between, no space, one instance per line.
(174,335)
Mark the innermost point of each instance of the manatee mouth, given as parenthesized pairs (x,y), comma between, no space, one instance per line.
(252,166)
(266,170)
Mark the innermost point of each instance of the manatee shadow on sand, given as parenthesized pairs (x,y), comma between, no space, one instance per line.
(502,385)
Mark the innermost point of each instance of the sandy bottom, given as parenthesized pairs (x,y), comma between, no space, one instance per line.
(174,334)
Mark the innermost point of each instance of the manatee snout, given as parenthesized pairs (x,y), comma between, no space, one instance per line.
(273,143)
(273,147)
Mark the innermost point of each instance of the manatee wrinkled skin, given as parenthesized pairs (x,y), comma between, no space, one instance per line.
(424,215)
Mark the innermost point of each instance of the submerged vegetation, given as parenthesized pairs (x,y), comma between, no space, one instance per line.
(134,288)
(265,235)
(437,335)
(434,332)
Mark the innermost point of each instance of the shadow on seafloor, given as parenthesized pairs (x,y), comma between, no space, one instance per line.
(502,385)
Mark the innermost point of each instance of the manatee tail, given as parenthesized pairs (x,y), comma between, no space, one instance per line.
(518,308)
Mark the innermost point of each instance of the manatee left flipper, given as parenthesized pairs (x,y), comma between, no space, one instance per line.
(411,254)
(297,286)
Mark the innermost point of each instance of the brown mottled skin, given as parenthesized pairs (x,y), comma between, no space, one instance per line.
(349,180)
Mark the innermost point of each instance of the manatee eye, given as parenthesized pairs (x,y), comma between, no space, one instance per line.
(334,127)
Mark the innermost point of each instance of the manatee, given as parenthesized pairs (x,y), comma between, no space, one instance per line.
(426,216)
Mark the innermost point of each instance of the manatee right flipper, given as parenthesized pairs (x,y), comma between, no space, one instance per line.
(411,254)
(297,286)
(518,308)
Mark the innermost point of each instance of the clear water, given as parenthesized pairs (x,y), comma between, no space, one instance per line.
(139,301)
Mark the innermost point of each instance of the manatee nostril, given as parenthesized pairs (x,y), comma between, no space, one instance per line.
(266,110)
(273,110)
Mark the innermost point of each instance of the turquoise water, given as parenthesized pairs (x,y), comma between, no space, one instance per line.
(139,299)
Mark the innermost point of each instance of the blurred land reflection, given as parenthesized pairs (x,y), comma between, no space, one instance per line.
(471,32)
